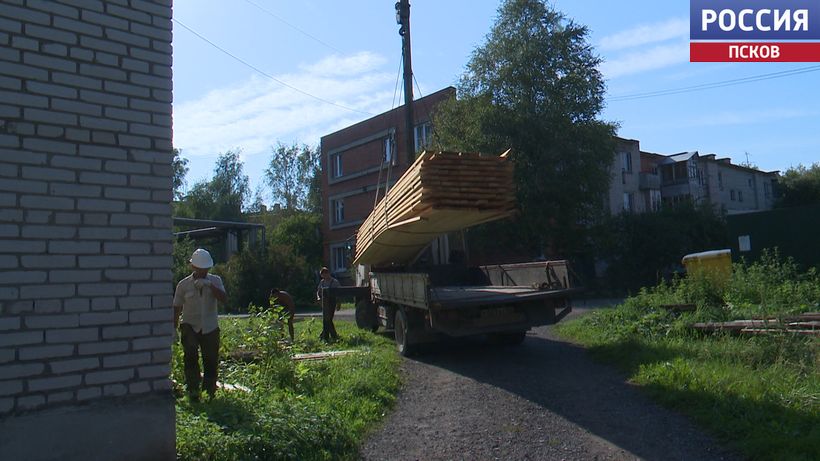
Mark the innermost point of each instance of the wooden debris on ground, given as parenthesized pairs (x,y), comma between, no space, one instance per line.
(804,324)
(440,192)
(322,355)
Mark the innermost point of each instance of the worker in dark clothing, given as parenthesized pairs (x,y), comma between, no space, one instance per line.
(329,305)
(284,299)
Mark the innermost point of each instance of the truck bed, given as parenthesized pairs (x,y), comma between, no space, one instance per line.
(464,296)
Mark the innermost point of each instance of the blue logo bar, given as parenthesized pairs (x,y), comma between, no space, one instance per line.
(754,20)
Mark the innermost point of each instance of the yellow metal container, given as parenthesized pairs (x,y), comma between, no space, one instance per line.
(718,262)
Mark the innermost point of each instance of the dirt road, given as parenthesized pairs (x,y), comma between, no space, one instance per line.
(542,400)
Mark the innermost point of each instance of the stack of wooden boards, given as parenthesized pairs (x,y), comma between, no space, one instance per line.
(440,192)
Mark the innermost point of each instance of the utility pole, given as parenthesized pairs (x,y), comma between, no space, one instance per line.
(403,19)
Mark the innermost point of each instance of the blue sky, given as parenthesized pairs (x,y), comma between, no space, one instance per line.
(344,59)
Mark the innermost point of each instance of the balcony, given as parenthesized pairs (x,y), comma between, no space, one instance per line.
(649,181)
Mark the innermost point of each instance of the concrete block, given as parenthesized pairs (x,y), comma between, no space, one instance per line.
(114,248)
(46,203)
(8,262)
(51,117)
(55,49)
(21,371)
(154,371)
(47,131)
(162,385)
(127,193)
(76,305)
(76,163)
(9,231)
(127,167)
(135,302)
(10,83)
(138,289)
(81,54)
(9,293)
(161,83)
(163,342)
(151,208)
(112,376)
(162,120)
(25,72)
(52,321)
(11,25)
(46,291)
(25,14)
(8,200)
(163,329)
(136,66)
(131,331)
(94,262)
(89,393)
(6,355)
(17,307)
(164,96)
(162,356)
(67,218)
(22,246)
(38,217)
(77,81)
(73,247)
(103,233)
(102,289)
(49,62)
(74,276)
(150,130)
(103,72)
(50,384)
(109,318)
(105,99)
(106,20)
(10,388)
(162,275)
(131,39)
(52,7)
(6,405)
(141,387)
(130,220)
(10,323)
(43,352)
(95,219)
(113,206)
(128,13)
(75,190)
(30,402)
(76,107)
(115,390)
(16,185)
(46,232)
(152,8)
(80,27)
(151,234)
(59,397)
(104,304)
(48,89)
(48,261)
(48,306)
(104,137)
(107,179)
(126,360)
(127,275)
(102,151)
(150,106)
(74,335)
(127,89)
(106,347)
(22,277)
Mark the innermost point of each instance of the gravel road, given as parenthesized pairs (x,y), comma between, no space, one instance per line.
(542,400)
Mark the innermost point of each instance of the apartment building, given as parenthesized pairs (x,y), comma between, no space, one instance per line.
(360,162)
(634,186)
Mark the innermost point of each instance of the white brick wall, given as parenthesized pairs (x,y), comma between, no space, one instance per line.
(85,186)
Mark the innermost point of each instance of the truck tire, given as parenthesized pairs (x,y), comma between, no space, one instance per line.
(366,316)
(402,333)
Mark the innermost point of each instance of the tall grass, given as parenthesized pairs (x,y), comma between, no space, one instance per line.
(294,410)
(760,394)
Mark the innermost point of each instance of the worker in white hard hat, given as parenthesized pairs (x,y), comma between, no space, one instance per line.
(196,299)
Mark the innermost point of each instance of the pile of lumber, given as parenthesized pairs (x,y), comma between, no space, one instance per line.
(440,192)
(804,324)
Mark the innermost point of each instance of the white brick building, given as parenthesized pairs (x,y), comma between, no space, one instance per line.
(85,229)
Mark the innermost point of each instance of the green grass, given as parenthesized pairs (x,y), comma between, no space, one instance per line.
(316,410)
(760,395)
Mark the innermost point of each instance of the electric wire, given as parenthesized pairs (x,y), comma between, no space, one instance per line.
(282,20)
(260,71)
(719,84)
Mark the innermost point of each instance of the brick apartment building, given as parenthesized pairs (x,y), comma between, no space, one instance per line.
(360,160)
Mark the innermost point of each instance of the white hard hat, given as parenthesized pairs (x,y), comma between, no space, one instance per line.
(201,259)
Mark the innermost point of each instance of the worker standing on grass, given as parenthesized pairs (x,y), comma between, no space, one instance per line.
(284,299)
(196,299)
(329,305)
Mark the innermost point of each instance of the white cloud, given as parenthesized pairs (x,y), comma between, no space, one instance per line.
(641,61)
(646,34)
(255,114)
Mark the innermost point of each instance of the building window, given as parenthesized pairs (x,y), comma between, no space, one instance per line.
(732,194)
(338,211)
(720,180)
(423,135)
(338,258)
(750,182)
(655,200)
(767,189)
(389,150)
(336,165)
(628,201)
(626,162)
(740,196)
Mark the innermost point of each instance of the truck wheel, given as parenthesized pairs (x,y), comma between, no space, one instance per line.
(366,318)
(401,330)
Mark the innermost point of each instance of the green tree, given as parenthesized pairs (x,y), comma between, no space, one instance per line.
(224,197)
(534,87)
(800,186)
(180,170)
(292,175)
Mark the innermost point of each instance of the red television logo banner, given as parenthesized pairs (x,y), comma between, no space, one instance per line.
(754,52)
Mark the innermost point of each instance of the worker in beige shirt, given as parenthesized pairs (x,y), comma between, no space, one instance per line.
(196,299)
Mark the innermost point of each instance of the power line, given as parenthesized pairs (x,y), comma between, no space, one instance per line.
(719,84)
(279,18)
(265,73)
